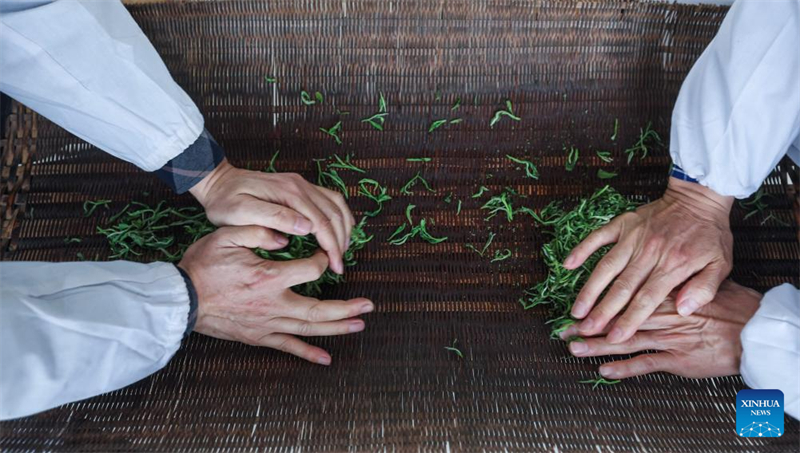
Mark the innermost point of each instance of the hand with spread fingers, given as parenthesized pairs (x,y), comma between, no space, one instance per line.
(281,201)
(704,344)
(683,236)
(244,298)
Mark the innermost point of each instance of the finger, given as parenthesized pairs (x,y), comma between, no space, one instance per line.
(592,347)
(603,274)
(251,236)
(337,198)
(701,289)
(253,211)
(664,317)
(622,290)
(295,346)
(323,229)
(647,299)
(608,234)
(316,329)
(334,214)
(314,310)
(295,272)
(639,365)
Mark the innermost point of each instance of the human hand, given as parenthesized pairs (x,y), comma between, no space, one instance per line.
(685,235)
(705,344)
(281,201)
(244,298)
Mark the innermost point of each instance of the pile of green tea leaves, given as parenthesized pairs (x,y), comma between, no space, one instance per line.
(568,228)
(139,228)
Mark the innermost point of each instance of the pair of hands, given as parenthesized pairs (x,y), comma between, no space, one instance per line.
(244,298)
(704,344)
(684,238)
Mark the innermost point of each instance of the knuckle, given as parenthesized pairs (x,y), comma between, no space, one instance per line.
(293,183)
(305,329)
(315,313)
(678,257)
(336,216)
(652,245)
(338,198)
(623,287)
(263,274)
(295,178)
(705,292)
(644,298)
(262,234)
(601,314)
(284,216)
(284,345)
(325,226)
(607,264)
(649,363)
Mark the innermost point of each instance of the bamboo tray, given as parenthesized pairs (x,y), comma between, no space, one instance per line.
(570,68)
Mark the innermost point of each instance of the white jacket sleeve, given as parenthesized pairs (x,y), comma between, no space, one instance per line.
(771,346)
(738,110)
(69,331)
(87,66)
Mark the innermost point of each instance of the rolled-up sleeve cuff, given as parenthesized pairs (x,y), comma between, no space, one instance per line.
(771,346)
(190,167)
(193,302)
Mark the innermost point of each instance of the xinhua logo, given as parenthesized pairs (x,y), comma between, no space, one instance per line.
(759,413)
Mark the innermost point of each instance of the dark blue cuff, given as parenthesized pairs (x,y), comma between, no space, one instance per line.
(678,173)
(193,164)
(192,302)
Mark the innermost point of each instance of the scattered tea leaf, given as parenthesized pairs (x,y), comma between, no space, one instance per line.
(602,174)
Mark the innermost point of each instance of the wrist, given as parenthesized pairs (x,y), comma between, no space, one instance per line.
(204,188)
(700,199)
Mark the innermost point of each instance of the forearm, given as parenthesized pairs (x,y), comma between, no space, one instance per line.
(69,331)
(739,108)
(89,68)
(771,346)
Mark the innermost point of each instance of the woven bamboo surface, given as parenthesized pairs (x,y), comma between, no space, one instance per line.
(570,69)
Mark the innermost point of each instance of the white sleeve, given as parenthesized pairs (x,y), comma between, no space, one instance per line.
(69,331)
(738,110)
(771,346)
(87,66)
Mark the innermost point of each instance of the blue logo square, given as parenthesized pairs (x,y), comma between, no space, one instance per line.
(759,413)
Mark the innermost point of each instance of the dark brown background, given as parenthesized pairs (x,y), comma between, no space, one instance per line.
(570,70)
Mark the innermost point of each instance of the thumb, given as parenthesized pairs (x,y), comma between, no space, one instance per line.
(700,290)
(251,236)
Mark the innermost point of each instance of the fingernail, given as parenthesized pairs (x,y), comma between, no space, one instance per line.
(587,325)
(609,372)
(339,267)
(615,336)
(568,261)
(578,348)
(579,310)
(282,241)
(324,360)
(366,308)
(302,226)
(687,307)
(356,326)
(569,333)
